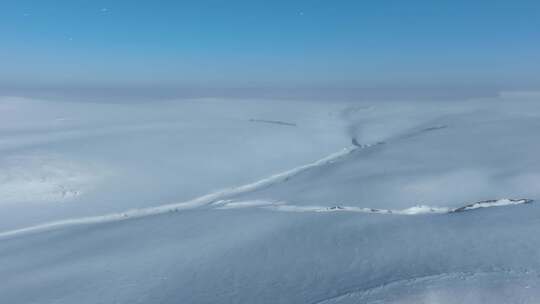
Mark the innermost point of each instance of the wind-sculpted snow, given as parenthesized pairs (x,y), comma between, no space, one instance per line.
(414,210)
(401,220)
(451,288)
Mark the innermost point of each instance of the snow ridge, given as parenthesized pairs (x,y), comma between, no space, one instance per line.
(218,199)
(192,204)
(414,210)
(492,203)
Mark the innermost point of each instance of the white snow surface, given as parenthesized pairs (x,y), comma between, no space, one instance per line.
(34,179)
(265,201)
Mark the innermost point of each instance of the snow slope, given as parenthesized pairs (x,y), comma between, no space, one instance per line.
(229,201)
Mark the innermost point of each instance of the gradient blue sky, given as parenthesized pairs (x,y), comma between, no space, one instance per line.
(269,43)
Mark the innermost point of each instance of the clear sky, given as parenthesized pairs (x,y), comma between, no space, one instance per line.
(269,43)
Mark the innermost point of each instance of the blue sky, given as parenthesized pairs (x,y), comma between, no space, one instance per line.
(269,43)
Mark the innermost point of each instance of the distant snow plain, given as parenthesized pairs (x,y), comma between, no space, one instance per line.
(270,201)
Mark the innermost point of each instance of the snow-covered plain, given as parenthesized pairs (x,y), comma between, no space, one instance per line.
(265,201)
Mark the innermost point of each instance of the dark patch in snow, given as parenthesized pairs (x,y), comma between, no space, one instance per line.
(492,203)
(336,208)
(276,122)
(435,128)
(355,142)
